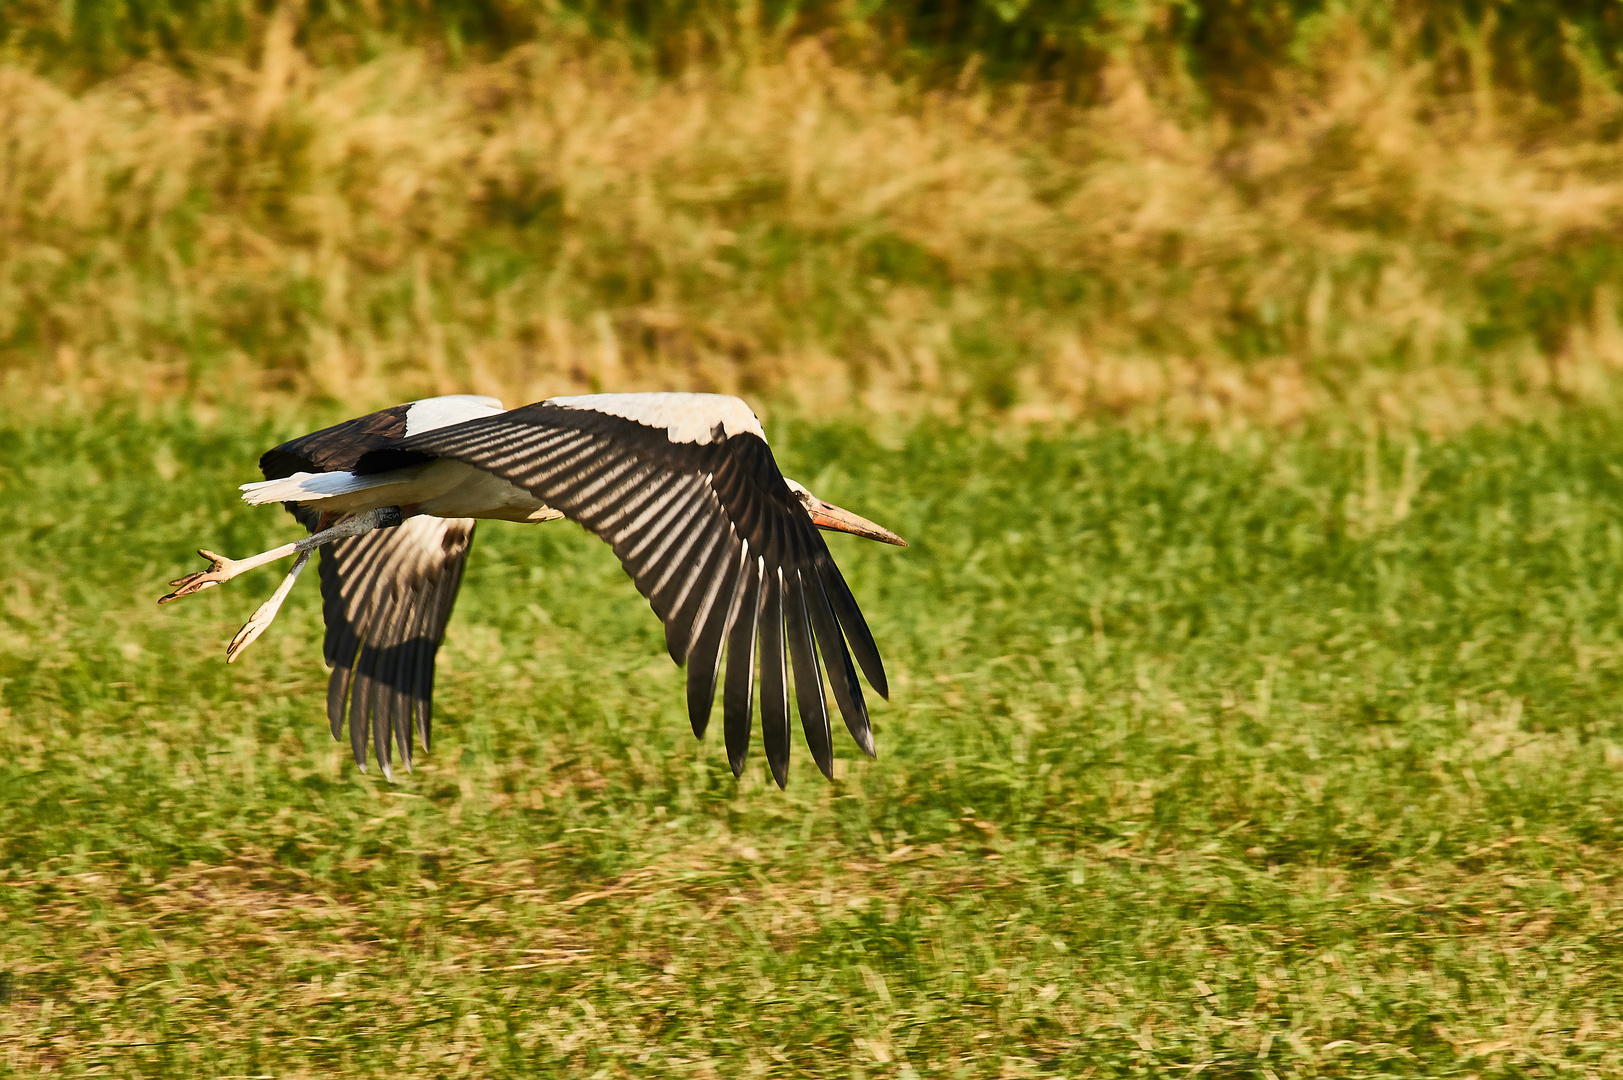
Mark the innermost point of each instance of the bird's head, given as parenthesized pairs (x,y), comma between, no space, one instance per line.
(825,515)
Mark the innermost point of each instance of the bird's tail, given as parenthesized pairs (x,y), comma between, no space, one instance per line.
(313,487)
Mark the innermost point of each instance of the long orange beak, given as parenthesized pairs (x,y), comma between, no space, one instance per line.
(828,516)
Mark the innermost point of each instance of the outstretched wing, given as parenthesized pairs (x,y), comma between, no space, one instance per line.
(386,596)
(727,556)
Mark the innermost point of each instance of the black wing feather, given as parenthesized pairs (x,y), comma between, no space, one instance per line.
(808,676)
(774,679)
(842,677)
(851,621)
(736,693)
(704,658)
(428,639)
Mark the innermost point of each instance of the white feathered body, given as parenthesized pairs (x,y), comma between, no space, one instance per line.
(441,488)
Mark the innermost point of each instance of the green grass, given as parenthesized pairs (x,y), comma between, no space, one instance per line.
(1268,756)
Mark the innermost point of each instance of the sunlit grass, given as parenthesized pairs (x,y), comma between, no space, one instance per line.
(1283,754)
(812,232)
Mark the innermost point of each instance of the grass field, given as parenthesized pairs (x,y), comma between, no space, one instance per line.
(1386,237)
(1272,755)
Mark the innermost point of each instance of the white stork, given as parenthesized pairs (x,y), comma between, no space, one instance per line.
(682,486)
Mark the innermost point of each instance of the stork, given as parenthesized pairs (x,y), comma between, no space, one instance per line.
(682,486)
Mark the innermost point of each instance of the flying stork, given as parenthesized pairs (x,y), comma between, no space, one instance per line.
(682,486)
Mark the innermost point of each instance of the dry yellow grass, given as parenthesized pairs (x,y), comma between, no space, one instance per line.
(808,234)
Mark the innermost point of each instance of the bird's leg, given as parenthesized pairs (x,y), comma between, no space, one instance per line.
(267,611)
(224,569)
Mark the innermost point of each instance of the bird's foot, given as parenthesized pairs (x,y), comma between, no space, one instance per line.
(267,611)
(221,571)
(252,629)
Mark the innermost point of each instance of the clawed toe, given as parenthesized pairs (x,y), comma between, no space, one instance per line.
(267,611)
(220,571)
(247,635)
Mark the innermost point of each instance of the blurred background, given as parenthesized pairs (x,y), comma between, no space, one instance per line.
(1025,209)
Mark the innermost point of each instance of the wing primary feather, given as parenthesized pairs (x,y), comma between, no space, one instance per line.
(361,718)
(399,682)
(808,676)
(689,610)
(448,602)
(417,652)
(842,676)
(357,681)
(851,621)
(354,579)
(736,693)
(342,644)
(379,723)
(774,679)
(382,699)
(358,719)
(373,592)
(373,699)
(704,657)
(444,602)
(418,647)
(385,661)
(677,637)
(337,700)
(713,588)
